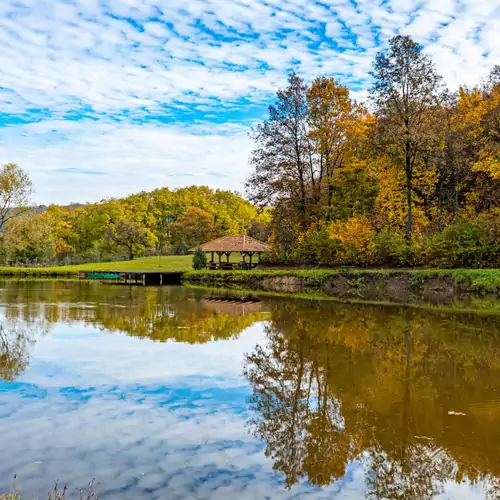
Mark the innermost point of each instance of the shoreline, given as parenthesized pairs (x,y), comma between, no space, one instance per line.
(395,286)
(400,286)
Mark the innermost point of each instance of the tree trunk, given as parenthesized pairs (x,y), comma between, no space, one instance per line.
(409,189)
(303,203)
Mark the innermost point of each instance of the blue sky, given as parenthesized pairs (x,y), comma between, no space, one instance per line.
(104,98)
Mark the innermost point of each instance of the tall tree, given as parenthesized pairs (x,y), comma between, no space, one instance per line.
(332,119)
(282,161)
(15,192)
(407,89)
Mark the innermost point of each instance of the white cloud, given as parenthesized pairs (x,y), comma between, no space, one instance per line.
(130,157)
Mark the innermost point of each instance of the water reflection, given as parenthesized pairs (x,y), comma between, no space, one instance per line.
(16,341)
(154,391)
(413,397)
(161,314)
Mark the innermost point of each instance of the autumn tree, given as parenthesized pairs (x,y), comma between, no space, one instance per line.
(405,93)
(128,235)
(282,159)
(334,119)
(15,192)
(28,239)
(194,227)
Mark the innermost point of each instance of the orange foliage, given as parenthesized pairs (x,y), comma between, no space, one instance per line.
(354,233)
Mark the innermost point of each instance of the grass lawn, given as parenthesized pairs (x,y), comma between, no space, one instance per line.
(168,263)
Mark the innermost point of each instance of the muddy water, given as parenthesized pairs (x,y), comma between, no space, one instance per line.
(183,393)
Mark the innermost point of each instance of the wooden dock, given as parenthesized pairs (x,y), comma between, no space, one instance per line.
(142,278)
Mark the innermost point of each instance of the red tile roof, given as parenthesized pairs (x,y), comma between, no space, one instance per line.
(234,244)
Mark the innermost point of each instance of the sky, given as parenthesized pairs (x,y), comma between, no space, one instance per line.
(104,98)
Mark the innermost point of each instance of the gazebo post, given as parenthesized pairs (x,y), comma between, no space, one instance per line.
(250,254)
(227,256)
(212,258)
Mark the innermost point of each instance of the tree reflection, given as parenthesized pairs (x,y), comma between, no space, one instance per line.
(15,343)
(338,384)
(161,314)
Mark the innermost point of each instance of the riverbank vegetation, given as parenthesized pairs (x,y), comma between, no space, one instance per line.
(412,179)
(397,285)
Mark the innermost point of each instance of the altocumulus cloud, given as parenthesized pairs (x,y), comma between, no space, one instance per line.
(142,90)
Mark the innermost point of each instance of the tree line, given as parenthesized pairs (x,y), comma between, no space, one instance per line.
(411,177)
(159,222)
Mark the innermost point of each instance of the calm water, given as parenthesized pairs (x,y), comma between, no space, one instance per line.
(172,394)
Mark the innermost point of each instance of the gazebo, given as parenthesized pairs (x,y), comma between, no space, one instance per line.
(244,245)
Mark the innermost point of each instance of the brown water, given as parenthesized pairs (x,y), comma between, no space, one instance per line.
(184,393)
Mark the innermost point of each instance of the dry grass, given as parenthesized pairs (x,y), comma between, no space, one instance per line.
(57,493)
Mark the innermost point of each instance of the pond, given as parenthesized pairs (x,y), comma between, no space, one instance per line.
(176,393)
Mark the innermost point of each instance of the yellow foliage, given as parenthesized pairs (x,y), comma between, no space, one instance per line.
(355,232)
(489,164)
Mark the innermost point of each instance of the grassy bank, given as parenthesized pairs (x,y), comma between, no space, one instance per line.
(358,283)
(168,263)
(366,284)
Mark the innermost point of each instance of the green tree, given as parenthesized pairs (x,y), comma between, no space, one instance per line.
(199,259)
(129,235)
(28,239)
(15,192)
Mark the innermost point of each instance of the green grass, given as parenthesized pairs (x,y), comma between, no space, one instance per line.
(168,263)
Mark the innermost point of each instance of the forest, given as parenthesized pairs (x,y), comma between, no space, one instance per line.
(159,222)
(409,178)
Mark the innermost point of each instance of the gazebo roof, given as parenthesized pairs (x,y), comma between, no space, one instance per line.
(234,244)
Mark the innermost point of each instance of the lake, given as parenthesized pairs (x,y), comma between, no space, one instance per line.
(176,393)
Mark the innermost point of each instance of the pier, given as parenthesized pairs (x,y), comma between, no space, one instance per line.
(142,278)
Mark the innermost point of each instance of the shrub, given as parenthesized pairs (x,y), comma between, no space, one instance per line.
(317,247)
(458,245)
(199,259)
(388,248)
(353,237)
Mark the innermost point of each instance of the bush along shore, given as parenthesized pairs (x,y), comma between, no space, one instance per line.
(432,286)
